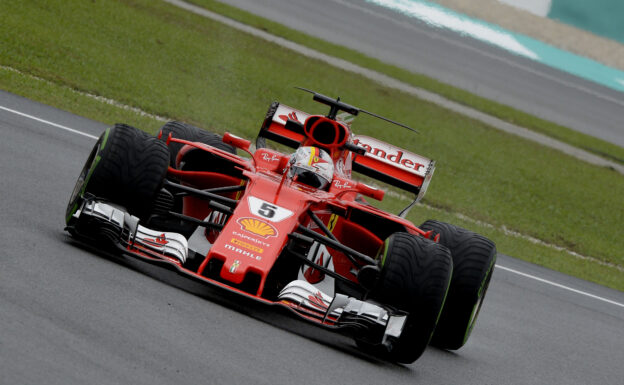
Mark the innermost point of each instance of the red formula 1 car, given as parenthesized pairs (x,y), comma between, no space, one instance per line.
(290,230)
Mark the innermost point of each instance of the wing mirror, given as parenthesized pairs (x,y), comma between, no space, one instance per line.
(236,141)
(369,191)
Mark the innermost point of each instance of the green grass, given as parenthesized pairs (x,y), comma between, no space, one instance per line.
(506,113)
(68,99)
(168,62)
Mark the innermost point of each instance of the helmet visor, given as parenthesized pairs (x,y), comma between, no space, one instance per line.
(309,178)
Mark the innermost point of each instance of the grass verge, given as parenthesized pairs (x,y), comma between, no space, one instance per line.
(168,62)
(506,113)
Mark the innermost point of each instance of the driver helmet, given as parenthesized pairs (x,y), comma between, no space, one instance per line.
(311,166)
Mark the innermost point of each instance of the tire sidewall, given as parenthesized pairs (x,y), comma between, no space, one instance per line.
(126,167)
(415,276)
(85,175)
(474,257)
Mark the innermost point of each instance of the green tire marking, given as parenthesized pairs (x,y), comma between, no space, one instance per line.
(385,253)
(477,305)
(96,160)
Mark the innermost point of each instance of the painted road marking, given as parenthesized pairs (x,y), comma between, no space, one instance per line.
(497,265)
(446,19)
(48,122)
(560,286)
(489,55)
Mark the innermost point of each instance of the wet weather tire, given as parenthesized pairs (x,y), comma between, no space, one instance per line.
(473,262)
(181,130)
(415,275)
(126,167)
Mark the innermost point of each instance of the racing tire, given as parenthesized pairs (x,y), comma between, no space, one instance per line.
(415,276)
(474,257)
(181,130)
(126,167)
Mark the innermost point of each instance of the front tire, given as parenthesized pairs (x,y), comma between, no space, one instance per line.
(415,276)
(474,257)
(126,167)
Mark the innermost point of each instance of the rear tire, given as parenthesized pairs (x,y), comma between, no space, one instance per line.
(126,167)
(473,262)
(415,276)
(181,130)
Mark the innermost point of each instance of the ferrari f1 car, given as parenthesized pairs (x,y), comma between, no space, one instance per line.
(292,230)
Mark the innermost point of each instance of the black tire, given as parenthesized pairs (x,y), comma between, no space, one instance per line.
(415,276)
(181,130)
(474,257)
(126,167)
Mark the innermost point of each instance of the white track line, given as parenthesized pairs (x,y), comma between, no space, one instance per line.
(559,285)
(497,265)
(48,122)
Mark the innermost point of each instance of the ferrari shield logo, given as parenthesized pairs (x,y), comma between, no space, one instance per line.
(234,266)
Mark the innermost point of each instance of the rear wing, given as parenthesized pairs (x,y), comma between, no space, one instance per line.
(381,161)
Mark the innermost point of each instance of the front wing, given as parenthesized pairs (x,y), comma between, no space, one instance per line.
(98,224)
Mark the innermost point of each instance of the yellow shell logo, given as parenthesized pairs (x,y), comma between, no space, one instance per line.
(258,227)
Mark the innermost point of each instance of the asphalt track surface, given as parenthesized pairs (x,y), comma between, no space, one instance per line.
(71,316)
(454,59)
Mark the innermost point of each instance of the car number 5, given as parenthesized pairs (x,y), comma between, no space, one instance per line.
(266,210)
